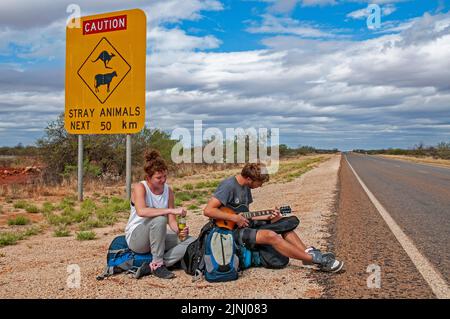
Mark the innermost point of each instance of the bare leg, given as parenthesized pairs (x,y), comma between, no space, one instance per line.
(268,237)
(294,240)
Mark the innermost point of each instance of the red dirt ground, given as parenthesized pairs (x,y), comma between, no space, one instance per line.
(22,175)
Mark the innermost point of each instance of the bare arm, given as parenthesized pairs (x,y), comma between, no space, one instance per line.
(172,219)
(212,211)
(142,210)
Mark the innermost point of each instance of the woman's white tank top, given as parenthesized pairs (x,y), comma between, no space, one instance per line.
(152,201)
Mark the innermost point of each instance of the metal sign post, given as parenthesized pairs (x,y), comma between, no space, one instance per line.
(128,167)
(80,168)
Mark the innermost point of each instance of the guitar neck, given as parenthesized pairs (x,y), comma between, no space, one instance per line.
(249,215)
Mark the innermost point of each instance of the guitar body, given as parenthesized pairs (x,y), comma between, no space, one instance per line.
(228,224)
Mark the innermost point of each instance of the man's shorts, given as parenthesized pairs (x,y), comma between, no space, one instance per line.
(245,237)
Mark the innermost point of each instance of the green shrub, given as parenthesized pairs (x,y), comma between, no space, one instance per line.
(106,216)
(61,232)
(88,205)
(104,199)
(90,224)
(48,207)
(117,205)
(20,204)
(31,231)
(207,184)
(19,220)
(86,235)
(188,187)
(9,239)
(183,196)
(90,170)
(66,202)
(80,216)
(192,207)
(32,209)
(54,219)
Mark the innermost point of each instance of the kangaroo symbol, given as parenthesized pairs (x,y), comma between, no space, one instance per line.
(105,57)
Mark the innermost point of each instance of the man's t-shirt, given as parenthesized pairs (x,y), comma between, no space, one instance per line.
(233,195)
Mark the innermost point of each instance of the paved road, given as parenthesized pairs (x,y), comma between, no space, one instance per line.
(417,197)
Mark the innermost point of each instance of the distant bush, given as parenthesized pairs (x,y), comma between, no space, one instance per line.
(104,155)
(441,150)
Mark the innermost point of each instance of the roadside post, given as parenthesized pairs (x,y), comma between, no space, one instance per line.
(105,79)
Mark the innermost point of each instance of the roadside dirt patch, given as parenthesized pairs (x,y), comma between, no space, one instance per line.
(9,175)
(38,267)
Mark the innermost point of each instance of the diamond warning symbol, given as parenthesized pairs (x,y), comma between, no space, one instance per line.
(104,70)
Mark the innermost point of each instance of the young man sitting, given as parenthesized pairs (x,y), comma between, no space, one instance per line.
(235,192)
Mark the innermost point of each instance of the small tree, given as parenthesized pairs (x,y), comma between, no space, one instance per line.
(102,153)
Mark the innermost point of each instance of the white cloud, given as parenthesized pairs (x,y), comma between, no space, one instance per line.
(364,13)
(283,26)
(161,39)
(318,2)
(44,37)
(25,14)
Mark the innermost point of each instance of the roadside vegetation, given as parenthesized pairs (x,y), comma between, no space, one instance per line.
(440,151)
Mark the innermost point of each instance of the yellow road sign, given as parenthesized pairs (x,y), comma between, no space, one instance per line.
(105,74)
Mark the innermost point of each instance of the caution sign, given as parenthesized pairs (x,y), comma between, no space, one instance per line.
(105,74)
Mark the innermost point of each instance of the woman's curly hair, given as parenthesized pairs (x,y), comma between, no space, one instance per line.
(154,163)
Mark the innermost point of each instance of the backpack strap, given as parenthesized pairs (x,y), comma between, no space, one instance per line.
(109,271)
(197,276)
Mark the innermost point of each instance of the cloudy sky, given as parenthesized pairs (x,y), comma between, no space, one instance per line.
(312,68)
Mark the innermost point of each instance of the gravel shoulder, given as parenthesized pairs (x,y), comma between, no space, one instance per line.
(38,266)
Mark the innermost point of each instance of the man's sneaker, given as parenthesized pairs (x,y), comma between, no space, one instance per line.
(311,250)
(329,263)
(163,272)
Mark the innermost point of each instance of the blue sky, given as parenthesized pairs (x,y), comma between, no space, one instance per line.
(311,68)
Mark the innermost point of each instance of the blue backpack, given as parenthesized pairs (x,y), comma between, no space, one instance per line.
(221,260)
(121,258)
(248,258)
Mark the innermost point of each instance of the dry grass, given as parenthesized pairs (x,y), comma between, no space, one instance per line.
(422,160)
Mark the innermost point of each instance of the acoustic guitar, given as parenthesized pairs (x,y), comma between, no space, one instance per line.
(228,224)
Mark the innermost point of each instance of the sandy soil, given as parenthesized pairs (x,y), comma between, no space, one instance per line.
(40,266)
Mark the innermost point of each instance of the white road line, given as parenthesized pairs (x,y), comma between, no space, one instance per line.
(434,279)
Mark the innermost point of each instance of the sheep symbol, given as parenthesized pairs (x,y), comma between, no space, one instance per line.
(104,79)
